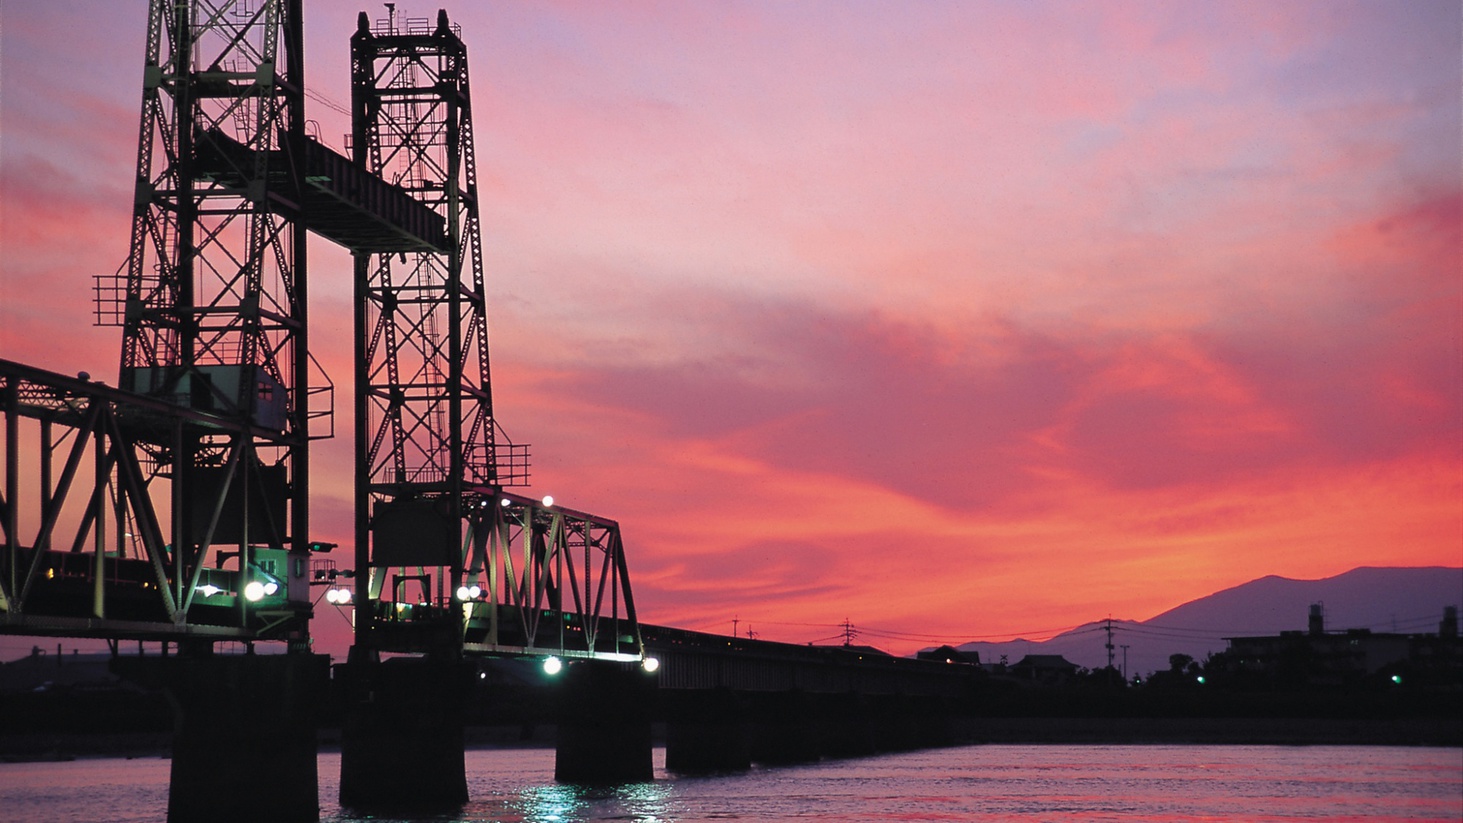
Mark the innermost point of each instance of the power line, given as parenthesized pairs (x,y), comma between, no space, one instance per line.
(327,102)
(1107,626)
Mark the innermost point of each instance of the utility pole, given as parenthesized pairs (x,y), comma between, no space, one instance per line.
(1109,641)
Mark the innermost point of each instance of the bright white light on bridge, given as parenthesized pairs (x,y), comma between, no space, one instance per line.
(548,500)
(339,597)
(506,502)
(468,592)
(270,587)
(553,665)
(209,590)
(254,592)
(650,664)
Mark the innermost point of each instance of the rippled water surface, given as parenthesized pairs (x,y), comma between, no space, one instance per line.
(974,783)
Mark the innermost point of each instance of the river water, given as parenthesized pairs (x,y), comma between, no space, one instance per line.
(1173,784)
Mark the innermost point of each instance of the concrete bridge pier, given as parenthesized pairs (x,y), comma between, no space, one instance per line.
(846,725)
(905,723)
(706,732)
(604,720)
(784,728)
(401,742)
(243,736)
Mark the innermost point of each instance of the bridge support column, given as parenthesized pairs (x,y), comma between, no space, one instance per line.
(706,731)
(401,742)
(904,723)
(846,725)
(244,737)
(784,729)
(604,723)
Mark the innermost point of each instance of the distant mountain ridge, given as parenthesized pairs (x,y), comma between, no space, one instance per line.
(1384,599)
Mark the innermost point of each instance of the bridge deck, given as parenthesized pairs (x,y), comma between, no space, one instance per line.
(697,661)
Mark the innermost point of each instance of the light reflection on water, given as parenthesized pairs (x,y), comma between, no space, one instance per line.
(1178,784)
(554,803)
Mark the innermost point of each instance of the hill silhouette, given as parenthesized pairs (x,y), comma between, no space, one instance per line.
(1382,599)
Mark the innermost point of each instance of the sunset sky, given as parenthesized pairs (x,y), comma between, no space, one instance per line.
(959,320)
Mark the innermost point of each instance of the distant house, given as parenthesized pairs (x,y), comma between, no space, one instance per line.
(949,654)
(1043,668)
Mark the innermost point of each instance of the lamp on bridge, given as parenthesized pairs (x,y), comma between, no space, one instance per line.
(257,590)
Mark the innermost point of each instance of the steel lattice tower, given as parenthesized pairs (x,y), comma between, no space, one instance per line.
(425,362)
(425,433)
(212,304)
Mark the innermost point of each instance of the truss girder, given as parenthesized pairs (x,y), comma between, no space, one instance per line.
(98,549)
(535,579)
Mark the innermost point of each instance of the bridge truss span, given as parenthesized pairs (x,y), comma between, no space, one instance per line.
(535,580)
(569,590)
(91,546)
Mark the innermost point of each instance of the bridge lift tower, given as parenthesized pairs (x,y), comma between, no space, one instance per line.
(195,527)
(448,561)
(189,524)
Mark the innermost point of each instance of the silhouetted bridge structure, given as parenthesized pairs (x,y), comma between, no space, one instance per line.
(728,702)
(174,507)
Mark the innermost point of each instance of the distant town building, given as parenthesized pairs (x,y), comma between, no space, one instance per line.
(1317,657)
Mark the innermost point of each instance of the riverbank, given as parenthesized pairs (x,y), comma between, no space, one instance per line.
(1302,731)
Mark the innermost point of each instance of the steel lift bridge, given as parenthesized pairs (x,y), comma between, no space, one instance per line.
(175,506)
